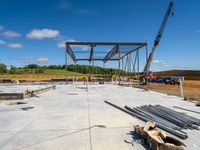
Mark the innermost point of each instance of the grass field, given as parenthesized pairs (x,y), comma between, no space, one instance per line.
(47,75)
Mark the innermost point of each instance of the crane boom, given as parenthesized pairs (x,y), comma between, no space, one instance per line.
(158,37)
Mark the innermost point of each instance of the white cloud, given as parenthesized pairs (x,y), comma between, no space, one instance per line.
(61,44)
(83,47)
(33,60)
(11,45)
(15,45)
(1,27)
(160,63)
(43,33)
(11,34)
(156,61)
(64,5)
(41,60)
(2,42)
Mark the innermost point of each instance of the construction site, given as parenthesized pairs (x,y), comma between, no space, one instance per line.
(102,108)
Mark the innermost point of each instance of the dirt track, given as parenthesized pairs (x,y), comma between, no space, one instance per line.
(191,89)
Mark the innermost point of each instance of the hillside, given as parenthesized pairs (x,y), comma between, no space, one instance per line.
(188,74)
(48,74)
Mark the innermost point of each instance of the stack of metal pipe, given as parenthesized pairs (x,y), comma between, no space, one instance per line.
(165,118)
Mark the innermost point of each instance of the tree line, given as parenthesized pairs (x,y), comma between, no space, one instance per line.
(34,68)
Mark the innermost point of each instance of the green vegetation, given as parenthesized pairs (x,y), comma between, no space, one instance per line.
(62,73)
(58,71)
(3,68)
(53,71)
(76,70)
(94,70)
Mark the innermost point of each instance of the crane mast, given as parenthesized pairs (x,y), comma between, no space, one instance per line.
(158,37)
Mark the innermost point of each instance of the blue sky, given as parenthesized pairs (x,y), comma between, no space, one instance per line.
(33,31)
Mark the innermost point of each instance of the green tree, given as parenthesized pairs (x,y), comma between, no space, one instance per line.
(32,66)
(12,70)
(3,68)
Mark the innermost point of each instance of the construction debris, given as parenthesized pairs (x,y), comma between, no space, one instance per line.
(165,118)
(33,93)
(156,139)
(17,103)
(30,93)
(197,104)
(26,108)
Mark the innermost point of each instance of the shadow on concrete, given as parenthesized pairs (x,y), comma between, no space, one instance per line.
(137,140)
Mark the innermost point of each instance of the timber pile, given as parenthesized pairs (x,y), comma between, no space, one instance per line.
(156,139)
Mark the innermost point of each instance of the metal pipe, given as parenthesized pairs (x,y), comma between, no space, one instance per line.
(187,109)
(190,118)
(160,120)
(167,117)
(172,131)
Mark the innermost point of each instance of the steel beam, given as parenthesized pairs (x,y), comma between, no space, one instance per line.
(70,52)
(108,56)
(91,53)
(95,59)
(106,43)
(111,53)
(131,51)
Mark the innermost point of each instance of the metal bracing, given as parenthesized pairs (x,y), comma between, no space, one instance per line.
(138,62)
(135,61)
(147,53)
(95,59)
(119,63)
(128,64)
(104,51)
(136,49)
(91,53)
(112,53)
(66,64)
(70,52)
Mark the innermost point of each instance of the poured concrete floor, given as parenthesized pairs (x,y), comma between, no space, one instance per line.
(19,89)
(60,119)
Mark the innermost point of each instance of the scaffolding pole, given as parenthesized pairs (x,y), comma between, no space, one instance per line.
(138,62)
(119,67)
(147,55)
(66,64)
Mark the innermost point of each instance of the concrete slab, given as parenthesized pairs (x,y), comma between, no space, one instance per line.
(70,108)
(113,135)
(37,140)
(19,88)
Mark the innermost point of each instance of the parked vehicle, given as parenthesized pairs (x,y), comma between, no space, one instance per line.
(168,80)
